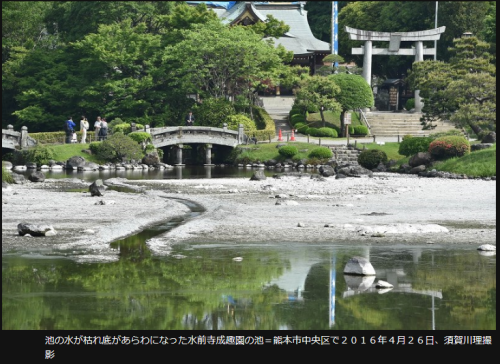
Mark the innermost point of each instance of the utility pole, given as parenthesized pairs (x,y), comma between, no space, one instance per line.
(435,26)
(335,31)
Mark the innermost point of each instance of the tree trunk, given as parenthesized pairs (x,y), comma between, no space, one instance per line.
(322,116)
(476,129)
(342,125)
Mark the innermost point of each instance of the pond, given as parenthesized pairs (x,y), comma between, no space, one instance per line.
(220,285)
(225,286)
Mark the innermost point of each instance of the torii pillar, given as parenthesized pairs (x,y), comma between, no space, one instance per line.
(394,40)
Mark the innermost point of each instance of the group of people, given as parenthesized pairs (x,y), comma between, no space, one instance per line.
(100,129)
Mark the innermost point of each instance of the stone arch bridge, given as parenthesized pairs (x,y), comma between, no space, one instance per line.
(161,137)
(180,135)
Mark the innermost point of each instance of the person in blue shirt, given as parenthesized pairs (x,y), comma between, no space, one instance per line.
(69,127)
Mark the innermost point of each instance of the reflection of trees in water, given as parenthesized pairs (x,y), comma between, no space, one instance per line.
(175,294)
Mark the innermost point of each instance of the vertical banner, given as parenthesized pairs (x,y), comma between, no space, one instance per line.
(332,292)
(335,29)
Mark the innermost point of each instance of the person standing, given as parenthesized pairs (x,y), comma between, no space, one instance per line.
(69,127)
(84,126)
(190,119)
(97,127)
(103,133)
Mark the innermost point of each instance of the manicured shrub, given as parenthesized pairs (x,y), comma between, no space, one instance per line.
(233,122)
(288,151)
(140,136)
(312,131)
(327,132)
(297,118)
(124,128)
(117,148)
(448,147)
(321,153)
(301,127)
(411,146)
(360,130)
(370,158)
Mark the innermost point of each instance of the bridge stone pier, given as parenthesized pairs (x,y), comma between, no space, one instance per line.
(180,135)
(16,139)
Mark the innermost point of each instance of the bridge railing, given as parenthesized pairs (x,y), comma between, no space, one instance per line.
(14,139)
(196,134)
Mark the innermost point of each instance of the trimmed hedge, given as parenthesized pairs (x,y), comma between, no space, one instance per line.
(288,151)
(411,146)
(321,152)
(360,130)
(370,158)
(449,146)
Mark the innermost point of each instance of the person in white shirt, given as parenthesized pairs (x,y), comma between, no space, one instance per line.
(84,126)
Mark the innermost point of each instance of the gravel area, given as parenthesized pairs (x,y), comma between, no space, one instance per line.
(386,209)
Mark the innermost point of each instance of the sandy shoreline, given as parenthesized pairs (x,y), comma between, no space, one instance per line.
(386,209)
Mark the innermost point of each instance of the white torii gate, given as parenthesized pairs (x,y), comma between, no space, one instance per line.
(394,40)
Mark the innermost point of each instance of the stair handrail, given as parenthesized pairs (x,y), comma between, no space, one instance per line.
(363,118)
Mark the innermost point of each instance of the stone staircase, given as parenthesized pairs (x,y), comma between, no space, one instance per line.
(399,123)
(344,154)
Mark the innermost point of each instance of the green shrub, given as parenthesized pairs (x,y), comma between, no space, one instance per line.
(41,154)
(233,122)
(449,146)
(360,130)
(301,127)
(407,136)
(327,133)
(411,146)
(124,128)
(370,158)
(288,151)
(297,118)
(117,148)
(140,136)
(312,131)
(321,153)
(410,104)
(351,129)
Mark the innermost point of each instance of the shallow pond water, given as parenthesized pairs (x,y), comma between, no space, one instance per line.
(224,286)
(267,287)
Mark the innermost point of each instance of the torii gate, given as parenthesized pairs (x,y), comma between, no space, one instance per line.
(394,40)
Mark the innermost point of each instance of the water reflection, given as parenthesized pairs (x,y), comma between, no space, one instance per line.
(200,286)
(176,172)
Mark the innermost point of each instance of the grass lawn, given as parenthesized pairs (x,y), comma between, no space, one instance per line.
(314,120)
(63,152)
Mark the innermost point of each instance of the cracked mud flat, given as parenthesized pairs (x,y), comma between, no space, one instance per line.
(387,209)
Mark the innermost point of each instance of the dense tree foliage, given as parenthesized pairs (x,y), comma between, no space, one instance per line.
(138,60)
(318,92)
(463,90)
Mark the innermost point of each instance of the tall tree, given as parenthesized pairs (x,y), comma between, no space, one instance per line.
(355,93)
(318,92)
(220,61)
(463,90)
